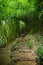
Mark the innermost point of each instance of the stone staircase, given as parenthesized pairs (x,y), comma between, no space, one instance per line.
(18,54)
(22,55)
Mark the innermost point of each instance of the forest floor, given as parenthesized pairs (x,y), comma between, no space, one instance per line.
(20,54)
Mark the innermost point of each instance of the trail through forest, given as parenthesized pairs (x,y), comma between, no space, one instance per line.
(18,53)
(21,54)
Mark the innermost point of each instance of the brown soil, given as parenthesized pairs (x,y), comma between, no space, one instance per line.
(22,55)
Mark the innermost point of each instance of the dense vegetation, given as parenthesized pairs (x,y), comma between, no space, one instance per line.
(19,16)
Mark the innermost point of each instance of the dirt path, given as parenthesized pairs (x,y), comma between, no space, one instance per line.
(19,54)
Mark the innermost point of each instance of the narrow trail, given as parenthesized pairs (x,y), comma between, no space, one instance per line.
(20,54)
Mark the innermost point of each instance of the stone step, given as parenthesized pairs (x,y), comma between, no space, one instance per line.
(23,55)
(18,58)
(19,47)
(22,62)
(24,50)
(25,63)
(22,43)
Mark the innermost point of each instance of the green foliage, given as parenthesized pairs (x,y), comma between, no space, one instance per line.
(7,32)
(3,9)
(12,30)
(40,51)
(39,37)
(41,10)
(14,46)
(21,25)
(16,8)
(13,12)
(29,44)
(3,38)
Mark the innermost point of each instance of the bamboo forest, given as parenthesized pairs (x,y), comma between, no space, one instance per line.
(21,32)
